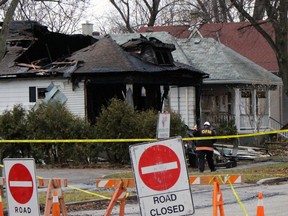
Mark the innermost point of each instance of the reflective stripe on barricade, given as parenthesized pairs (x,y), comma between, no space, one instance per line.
(194,180)
(221,179)
(44,182)
(112,183)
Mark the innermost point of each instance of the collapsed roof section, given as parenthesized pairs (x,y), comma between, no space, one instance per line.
(32,50)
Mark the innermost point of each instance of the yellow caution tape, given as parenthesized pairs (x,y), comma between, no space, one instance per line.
(237,197)
(88,192)
(139,139)
(84,191)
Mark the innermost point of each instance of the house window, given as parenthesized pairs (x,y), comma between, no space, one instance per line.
(246,102)
(36,93)
(262,105)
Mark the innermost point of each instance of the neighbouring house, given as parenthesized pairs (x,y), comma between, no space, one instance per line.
(247,41)
(237,89)
(85,73)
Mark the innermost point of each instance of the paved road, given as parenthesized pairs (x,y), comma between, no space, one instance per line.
(275,196)
(275,201)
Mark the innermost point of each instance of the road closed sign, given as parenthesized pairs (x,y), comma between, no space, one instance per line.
(21,187)
(161,178)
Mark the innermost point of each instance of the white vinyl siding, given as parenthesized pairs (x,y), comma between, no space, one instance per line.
(182,101)
(13,92)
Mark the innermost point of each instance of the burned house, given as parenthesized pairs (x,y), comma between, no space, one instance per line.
(85,73)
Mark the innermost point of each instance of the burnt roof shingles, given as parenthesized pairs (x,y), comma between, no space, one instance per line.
(244,39)
(107,56)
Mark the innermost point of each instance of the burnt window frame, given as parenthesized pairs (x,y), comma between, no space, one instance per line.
(163,57)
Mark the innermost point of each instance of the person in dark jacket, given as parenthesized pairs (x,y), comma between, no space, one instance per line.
(204,148)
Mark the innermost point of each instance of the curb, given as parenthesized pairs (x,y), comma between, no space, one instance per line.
(275,180)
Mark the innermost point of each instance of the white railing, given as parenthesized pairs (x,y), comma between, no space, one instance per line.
(247,123)
(275,125)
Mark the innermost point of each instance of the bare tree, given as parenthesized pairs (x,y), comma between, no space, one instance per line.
(276,14)
(130,15)
(5,26)
(58,16)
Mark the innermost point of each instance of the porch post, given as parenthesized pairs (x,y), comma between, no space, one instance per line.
(237,108)
(268,104)
(129,94)
(198,105)
(254,110)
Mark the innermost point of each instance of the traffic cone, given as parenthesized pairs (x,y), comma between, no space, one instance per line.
(55,204)
(260,206)
(1,205)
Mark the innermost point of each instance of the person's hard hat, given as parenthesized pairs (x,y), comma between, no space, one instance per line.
(207,123)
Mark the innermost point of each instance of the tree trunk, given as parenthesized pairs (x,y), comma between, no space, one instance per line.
(5,27)
(215,11)
(281,33)
(259,10)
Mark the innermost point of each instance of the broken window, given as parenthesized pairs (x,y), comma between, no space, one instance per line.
(36,93)
(164,57)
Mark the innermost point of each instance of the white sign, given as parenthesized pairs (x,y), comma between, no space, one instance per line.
(163,126)
(21,187)
(161,178)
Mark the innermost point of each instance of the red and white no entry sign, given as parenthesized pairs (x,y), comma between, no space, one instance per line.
(20,183)
(161,177)
(159,167)
(21,187)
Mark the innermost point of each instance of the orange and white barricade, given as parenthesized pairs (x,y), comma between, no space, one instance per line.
(118,196)
(215,180)
(55,196)
(217,200)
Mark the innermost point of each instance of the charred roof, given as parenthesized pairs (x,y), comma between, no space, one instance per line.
(32,49)
(79,57)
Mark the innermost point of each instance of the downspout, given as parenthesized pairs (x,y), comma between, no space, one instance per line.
(197,100)
(237,112)
(269,108)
